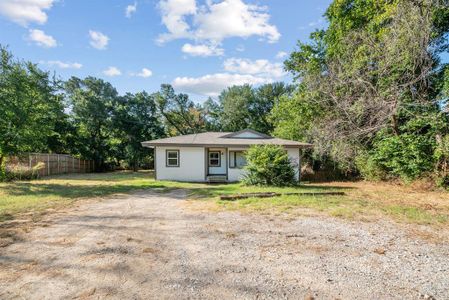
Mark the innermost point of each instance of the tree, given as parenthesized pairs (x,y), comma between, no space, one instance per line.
(181,115)
(91,102)
(247,107)
(28,102)
(373,71)
(135,120)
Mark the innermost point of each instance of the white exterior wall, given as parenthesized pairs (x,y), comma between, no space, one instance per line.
(191,164)
(293,153)
(235,174)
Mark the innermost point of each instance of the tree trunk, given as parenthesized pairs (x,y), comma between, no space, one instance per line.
(394,124)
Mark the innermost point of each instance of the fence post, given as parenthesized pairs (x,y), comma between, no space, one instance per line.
(48,164)
(29,160)
(59,171)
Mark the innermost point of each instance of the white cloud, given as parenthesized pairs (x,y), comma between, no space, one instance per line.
(281,54)
(173,17)
(260,67)
(238,71)
(24,12)
(145,73)
(112,71)
(130,9)
(215,21)
(62,65)
(213,84)
(202,50)
(98,40)
(41,39)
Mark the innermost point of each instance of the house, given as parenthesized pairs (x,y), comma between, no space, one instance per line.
(213,156)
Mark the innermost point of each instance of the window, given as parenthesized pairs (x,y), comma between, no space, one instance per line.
(172,158)
(237,159)
(214,159)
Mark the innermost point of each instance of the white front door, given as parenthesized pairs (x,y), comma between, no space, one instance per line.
(216,161)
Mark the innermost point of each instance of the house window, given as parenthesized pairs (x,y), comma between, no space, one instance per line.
(172,158)
(214,159)
(237,159)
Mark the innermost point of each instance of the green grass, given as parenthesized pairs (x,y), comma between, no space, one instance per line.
(35,197)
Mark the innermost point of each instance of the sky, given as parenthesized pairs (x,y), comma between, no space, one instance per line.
(198,46)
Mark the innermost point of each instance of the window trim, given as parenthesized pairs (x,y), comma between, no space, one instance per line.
(219,159)
(235,158)
(177,158)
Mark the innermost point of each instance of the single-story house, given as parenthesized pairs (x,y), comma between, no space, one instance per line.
(213,156)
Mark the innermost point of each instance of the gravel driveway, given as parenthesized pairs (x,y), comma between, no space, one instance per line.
(152,246)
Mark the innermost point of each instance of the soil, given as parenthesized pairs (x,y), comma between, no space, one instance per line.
(153,246)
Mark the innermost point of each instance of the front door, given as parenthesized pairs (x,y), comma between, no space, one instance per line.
(216,161)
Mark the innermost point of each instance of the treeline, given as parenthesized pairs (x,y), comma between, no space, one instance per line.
(88,118)
(370,92)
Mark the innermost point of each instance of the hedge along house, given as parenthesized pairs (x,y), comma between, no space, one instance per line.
(213,156)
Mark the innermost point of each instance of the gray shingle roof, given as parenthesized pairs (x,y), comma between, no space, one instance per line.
(211,139)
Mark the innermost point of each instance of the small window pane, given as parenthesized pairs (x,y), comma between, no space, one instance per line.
(172,154)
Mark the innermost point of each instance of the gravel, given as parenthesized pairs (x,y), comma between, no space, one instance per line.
(153,246)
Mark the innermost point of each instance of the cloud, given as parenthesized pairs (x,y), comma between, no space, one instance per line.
(202,50)
(213,84)
(24,12)
(130,9)
(112,71)
(238,71)
(62,65)
(260,67)
(145,73)
(281,54)
(215,21)
(173,17)
(41,39)
(98,40)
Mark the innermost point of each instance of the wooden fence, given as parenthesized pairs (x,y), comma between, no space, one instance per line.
(50,164)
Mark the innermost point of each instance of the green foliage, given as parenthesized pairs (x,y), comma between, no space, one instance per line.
(135,119)
(242,107)
(181,115)
(29,106)
(293,117)
(92,103)
(269,165)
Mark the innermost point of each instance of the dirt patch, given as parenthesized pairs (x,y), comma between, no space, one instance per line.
(149,244)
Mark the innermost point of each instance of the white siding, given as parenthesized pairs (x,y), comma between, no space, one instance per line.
(293,153)
(235,174)
(191,164)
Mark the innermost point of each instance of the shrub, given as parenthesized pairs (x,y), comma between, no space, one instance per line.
(23,172)
(269,165)
(369,169)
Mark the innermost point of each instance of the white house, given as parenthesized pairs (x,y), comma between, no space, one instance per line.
(213,156)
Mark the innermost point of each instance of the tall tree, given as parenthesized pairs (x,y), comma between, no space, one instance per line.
(92,105)
(247,107)
(181,115)
(135,120)
(373,70)
(28,102)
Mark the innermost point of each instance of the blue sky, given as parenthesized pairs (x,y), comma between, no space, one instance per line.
(199,46)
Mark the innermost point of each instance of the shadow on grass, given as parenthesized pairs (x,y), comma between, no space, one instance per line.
(72,191)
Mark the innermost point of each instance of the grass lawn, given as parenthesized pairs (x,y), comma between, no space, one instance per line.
(367,201)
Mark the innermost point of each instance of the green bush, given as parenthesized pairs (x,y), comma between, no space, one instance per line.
(269,165)
(407,156)
(368,167)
